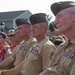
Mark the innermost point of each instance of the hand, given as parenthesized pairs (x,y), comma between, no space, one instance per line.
(0,72)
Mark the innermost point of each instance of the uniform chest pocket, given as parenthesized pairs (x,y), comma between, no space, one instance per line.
(35,53)
(34,57)
(65,61)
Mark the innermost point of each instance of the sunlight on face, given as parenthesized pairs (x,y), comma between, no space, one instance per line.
(36,30)
(21,30)
(64,21)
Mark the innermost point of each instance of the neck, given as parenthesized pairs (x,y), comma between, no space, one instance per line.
(70,34)
(26,38)
(40,38)
(16,42)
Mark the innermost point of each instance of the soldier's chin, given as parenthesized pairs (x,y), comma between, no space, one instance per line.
(61,32)
(35,36)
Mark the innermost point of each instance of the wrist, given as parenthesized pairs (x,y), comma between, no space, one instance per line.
(0,72)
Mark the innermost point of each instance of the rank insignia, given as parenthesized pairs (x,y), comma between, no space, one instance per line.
(36,50)
(70,53)
(24,46)
(21,48)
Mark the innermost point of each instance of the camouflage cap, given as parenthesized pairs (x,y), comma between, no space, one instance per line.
(38,18)
(58,6)
(21,21)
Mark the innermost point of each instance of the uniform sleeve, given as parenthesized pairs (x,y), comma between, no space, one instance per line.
(72,72)
(14,53)
(47,55)
(52,71)
(7,52)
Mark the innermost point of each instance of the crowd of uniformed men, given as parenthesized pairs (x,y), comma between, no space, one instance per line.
(36,47)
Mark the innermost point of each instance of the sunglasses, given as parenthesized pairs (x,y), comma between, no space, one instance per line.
(10,35)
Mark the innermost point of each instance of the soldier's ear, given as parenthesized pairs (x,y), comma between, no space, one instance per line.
(73,17)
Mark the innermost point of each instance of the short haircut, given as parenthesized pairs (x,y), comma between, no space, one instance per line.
(3,35)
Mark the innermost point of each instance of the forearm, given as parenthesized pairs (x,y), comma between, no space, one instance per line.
(14,71)
(6,62)
(7,72)
(19,67)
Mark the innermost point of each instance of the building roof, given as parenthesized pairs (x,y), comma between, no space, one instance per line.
(10,15)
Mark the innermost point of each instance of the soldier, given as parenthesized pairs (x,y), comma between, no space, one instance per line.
(39,56)
(24,31)
(13,38)
(63,61)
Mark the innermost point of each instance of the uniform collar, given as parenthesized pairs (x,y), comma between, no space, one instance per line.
(43,41)
(30,39)
(72,41)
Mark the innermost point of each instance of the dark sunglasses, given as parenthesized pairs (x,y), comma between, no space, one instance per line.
(10,35)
